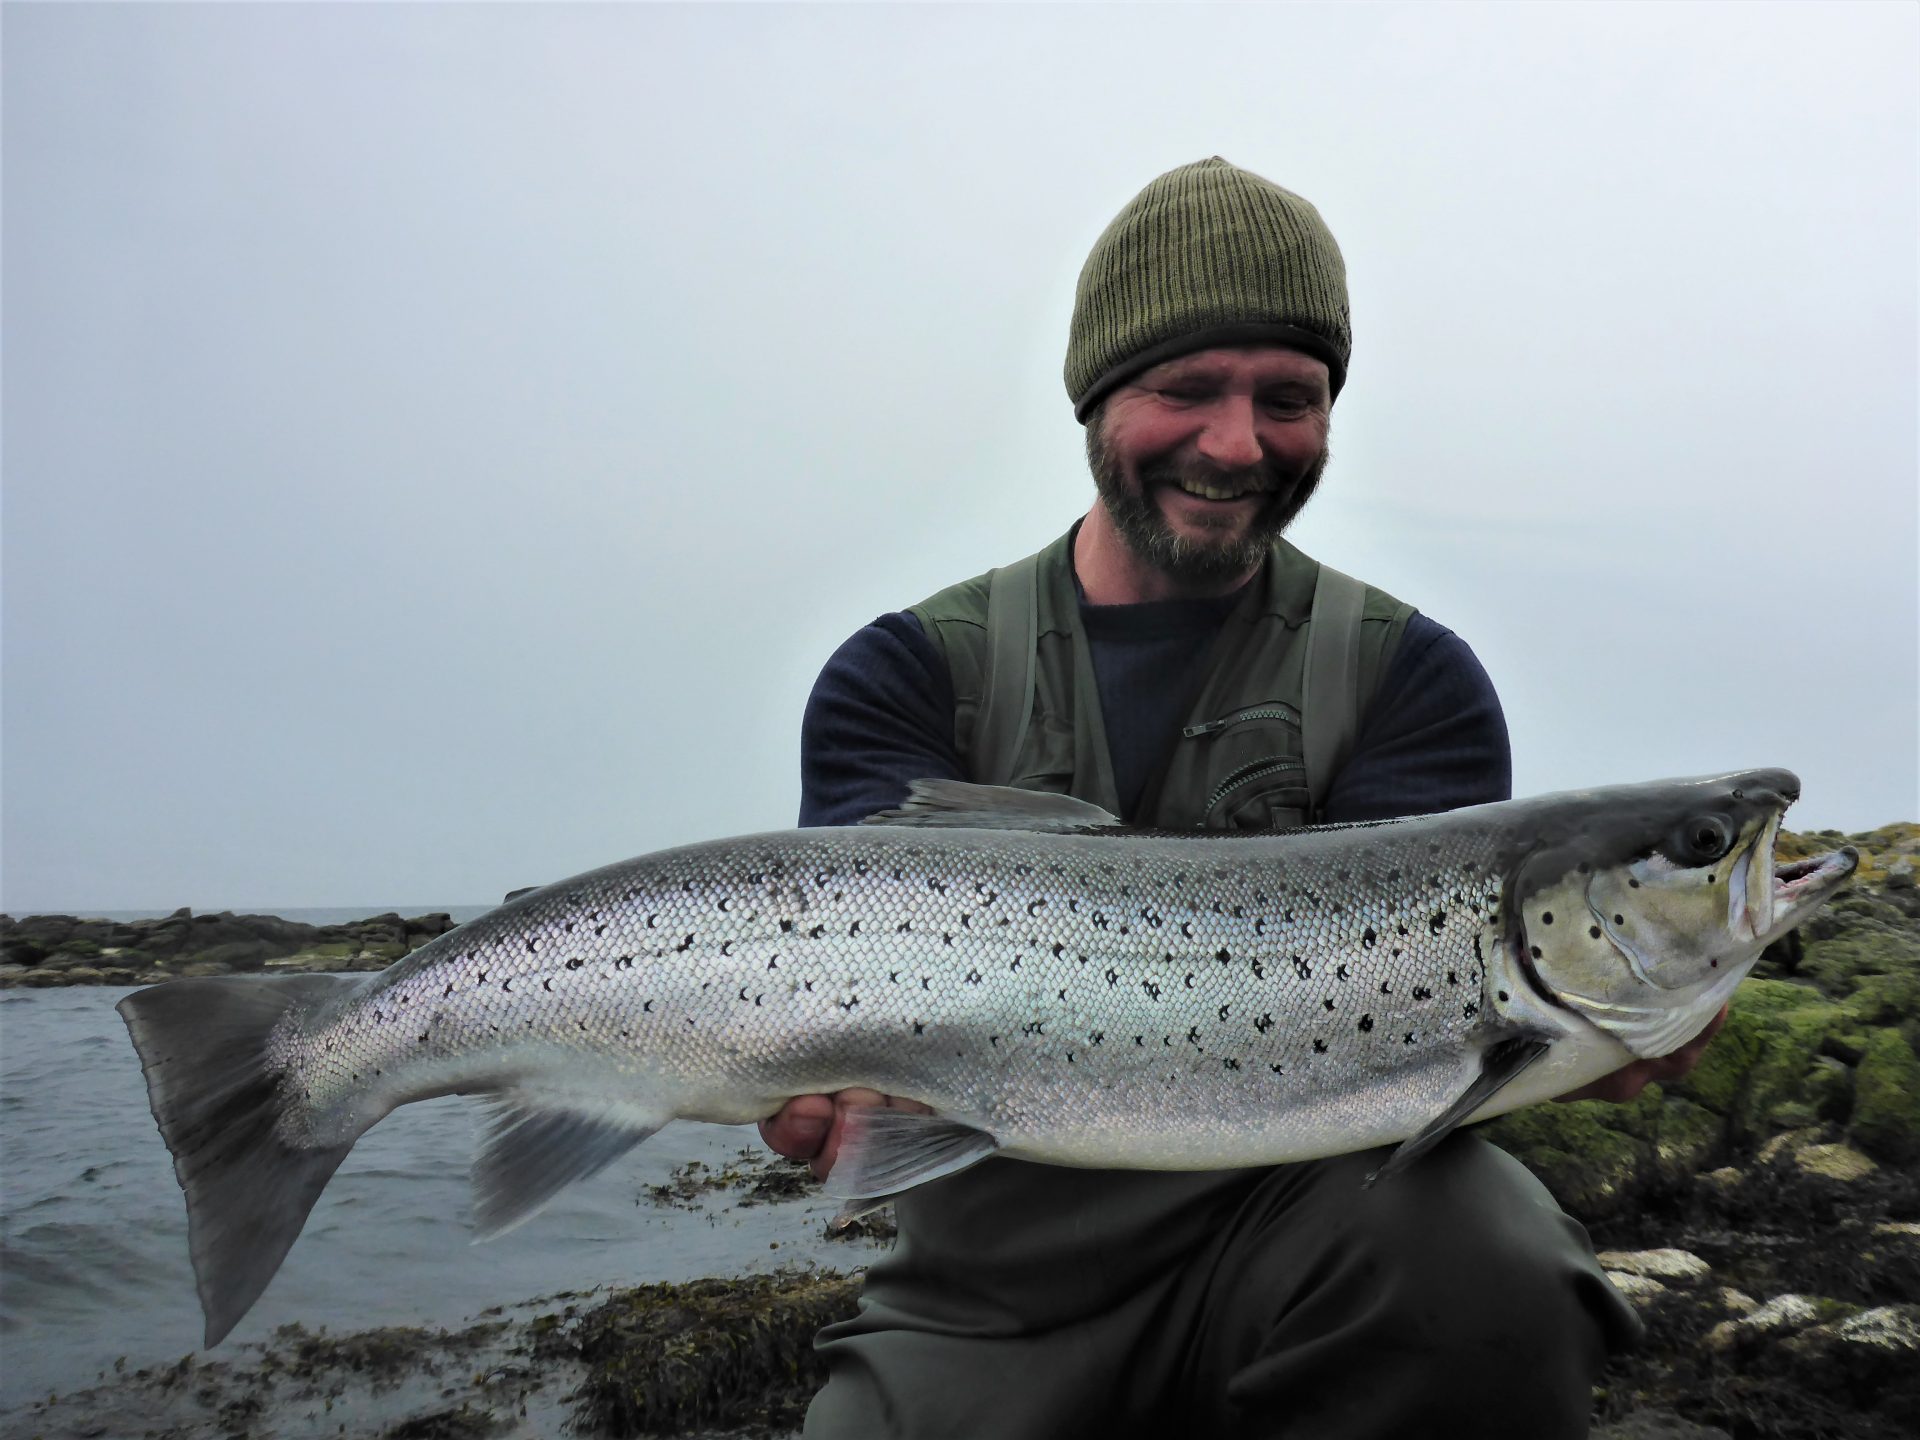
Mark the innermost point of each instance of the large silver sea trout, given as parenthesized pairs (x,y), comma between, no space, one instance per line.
(1057,987)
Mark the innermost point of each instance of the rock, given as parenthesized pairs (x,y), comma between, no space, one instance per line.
(1834,1162)
(1639,1289)
(1886,1108)
(1726,1178)
(1900,876)
(1784,1146)
(206,967)
(1860,1354)
(1675,1267)
(1735,1302)
(1657,1424)
(1783,1314)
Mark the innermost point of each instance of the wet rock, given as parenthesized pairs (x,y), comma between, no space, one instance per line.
(1782,1315)
(1886,1114)
(1834,1162)
(1657,1424)
(1639,1289)
(1671,1267)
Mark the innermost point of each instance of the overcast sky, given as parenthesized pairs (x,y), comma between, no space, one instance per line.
(442,443)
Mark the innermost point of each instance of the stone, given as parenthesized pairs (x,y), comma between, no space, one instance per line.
(1735,1302)
(1834,1162)
(1886,1108)
(1781,1315)
(1786,1143)
(1657,1423)
(1641,1290)
(1675,1267)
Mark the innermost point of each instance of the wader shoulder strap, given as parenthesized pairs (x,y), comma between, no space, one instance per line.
(1330,703)
(1006,703)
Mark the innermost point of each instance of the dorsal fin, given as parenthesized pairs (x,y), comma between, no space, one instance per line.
(956,804)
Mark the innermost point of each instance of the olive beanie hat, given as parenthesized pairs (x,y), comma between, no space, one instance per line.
(1208,254)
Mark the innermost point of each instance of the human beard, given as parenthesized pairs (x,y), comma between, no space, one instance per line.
(1198,561)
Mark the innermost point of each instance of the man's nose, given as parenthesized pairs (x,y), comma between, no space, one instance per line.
(1229,440)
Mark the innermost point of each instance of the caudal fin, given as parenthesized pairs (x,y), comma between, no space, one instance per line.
(203,1045)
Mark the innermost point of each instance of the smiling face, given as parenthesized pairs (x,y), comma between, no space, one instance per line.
(1204,459)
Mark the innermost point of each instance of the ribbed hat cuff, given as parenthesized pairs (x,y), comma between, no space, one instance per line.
(1255,333)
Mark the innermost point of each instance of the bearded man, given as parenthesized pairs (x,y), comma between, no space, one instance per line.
(1174,660)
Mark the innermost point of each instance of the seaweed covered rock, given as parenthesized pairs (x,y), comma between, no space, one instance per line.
(43,950)
(664,1358)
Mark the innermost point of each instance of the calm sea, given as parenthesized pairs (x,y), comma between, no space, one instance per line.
(306,915)
(93,1239)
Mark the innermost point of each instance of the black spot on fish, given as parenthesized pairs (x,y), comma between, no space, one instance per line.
(946,937)
(1366,1022)
(575,963)
(1534,950)
(1058,948)
(786,926)
(1478,954)
(547,985)
(1386,987)
(1096,1037)
(1368,938)
(1302,968)
(1632,883)
(1034,907)
(1470,1009)
(1593,932)
(1407,1039)
(1062,993)
(1546,917)
(919,1027)
(1319,1047)
(1139,1040)
(1263,1024)
(1421,992)
(1231,1064)
(1153,990)
(973,977)
(1259,970)
(1113,977)
(993,1039)
(1503,997)
(1223,955)
(1328,1002)
(849,1004)
(1619,919)
(1189,979)
(1223,1011)
(1186,929)
(1340,972)
(854,929)
(807,985)
(1437,921)
(647,1007)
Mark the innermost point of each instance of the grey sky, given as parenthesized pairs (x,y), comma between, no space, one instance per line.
(441,444)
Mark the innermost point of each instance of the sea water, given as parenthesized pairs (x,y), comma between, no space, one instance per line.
(93,1230)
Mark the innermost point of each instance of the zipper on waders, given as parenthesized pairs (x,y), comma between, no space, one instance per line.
(1246,774)
(1270,711)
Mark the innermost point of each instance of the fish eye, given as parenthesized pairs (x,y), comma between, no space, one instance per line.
(1699,840)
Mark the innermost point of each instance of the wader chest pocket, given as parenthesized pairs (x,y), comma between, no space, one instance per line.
(1251,758)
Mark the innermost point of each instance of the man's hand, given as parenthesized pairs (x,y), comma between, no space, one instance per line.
(808,1127)
(1630,1080)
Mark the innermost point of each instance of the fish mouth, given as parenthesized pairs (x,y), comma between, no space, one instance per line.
(1800,886)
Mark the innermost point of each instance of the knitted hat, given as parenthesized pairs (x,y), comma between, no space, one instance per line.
(1208,254)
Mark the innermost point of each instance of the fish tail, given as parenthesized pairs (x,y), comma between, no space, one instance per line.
(218,1100)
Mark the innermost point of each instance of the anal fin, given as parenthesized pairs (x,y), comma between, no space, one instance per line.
(536,1145)
(884,1152)
(1500,1063)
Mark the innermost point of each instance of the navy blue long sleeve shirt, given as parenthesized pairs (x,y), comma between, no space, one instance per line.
(881,715)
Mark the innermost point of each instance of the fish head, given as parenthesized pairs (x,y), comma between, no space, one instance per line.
(1652,902)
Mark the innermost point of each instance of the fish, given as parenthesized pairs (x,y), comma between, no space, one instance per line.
(1055,986)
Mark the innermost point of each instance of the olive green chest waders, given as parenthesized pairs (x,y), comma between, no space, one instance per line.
(1026,1300)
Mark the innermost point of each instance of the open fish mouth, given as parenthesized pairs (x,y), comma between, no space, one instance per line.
(1794,884)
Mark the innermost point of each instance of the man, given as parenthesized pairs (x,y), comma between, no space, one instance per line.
(1155,661)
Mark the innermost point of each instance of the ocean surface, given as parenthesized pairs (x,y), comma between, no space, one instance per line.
(308,915)
(93,1233)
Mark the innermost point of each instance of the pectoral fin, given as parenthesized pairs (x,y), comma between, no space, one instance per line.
(884,1152)
(1499,1062)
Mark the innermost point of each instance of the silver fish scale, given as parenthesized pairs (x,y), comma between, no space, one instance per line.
(1168,1002)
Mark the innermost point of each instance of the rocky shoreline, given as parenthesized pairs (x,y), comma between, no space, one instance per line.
(50,950)
(1763,1214)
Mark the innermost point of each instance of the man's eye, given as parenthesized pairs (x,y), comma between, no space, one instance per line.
(1284,405)
(1175,392)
